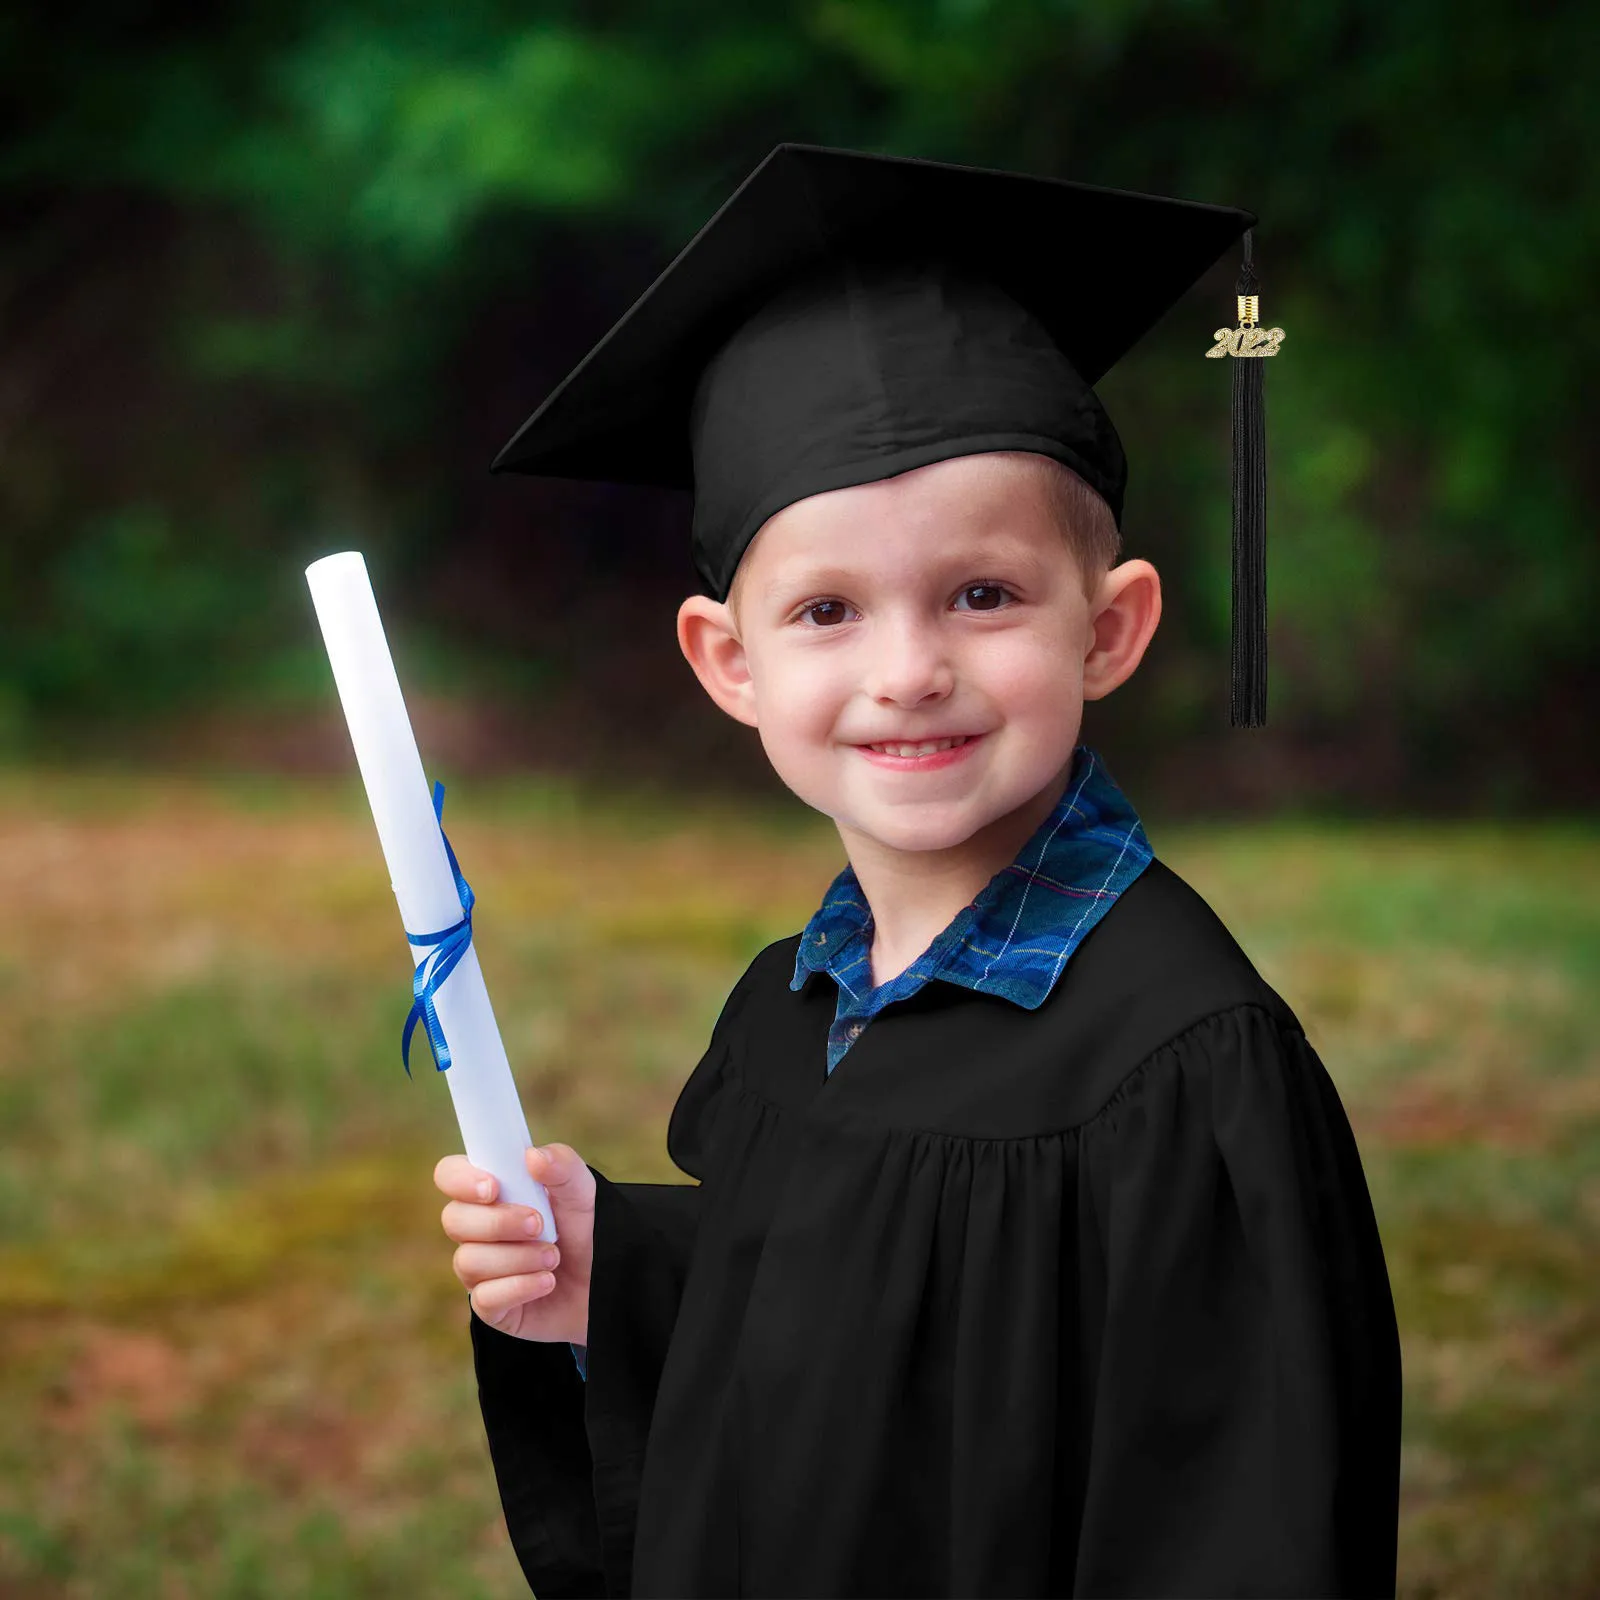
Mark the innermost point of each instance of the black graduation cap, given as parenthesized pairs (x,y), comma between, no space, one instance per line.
(846,316)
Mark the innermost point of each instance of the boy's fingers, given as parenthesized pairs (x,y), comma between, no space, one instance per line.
(482,1263)
(458,1178)
(499,1295)
(466,1222)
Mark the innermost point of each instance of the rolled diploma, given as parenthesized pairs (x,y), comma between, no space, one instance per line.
(485,1094)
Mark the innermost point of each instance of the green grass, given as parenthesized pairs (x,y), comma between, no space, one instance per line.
(233,1356)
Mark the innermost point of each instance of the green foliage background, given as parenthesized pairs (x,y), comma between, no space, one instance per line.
(279,279)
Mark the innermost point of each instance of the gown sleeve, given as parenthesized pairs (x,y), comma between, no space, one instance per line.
(567,1462)
(1246,1404)
(567,1437)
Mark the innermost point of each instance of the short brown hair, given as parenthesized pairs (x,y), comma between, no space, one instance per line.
(1082,517)
(1084,520)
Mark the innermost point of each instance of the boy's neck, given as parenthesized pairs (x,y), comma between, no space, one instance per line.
(914,895)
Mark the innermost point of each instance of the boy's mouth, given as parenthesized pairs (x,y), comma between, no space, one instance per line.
(924,753)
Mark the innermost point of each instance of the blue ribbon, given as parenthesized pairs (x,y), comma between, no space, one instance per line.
(450,945)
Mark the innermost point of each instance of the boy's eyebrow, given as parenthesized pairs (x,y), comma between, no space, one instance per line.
(1007,552)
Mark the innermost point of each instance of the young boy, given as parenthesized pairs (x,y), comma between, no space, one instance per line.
(1029,1250)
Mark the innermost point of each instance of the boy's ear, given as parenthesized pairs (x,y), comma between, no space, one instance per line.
(711,645)
(1125,613)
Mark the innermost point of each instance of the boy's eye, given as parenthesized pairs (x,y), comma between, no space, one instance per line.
(991,600)
(992,590)
(835,606)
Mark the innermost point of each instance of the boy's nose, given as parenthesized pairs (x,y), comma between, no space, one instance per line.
(909,664)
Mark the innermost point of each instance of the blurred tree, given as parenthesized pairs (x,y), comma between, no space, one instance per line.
(278,278)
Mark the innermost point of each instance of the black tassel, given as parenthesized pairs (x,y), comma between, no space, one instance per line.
(1249,705)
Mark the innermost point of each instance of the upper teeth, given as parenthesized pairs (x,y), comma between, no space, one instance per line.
(918,749)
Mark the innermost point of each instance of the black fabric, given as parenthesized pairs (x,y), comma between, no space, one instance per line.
(864,370)
(1088,1300)
(1247,706)
(772,359)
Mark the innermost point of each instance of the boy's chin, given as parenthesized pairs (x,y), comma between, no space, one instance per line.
(909,835)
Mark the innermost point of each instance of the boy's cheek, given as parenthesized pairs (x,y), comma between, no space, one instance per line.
(801,703)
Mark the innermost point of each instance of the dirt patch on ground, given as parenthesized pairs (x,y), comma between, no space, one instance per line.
(149,1375)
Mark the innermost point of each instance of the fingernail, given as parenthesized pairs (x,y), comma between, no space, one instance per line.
(533,1222)
(485,1189)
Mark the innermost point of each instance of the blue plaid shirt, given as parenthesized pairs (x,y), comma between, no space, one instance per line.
(1014,940)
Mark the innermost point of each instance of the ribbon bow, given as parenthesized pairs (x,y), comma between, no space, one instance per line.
(450,945)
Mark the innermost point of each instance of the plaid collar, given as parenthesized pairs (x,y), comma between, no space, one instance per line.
(1015,938)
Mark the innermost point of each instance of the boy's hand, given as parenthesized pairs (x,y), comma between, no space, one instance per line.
(518,1284)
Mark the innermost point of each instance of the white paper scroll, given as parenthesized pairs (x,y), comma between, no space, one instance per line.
(485,1094)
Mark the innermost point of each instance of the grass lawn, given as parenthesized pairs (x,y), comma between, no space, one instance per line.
(233,1356)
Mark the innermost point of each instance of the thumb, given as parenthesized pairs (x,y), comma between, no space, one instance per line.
(552,1164)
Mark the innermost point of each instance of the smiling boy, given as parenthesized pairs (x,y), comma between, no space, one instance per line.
(973,613)
(1028,1250)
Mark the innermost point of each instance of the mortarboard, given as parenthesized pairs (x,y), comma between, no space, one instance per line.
(847,316)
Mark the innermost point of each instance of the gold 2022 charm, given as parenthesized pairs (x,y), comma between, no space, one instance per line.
(1246,341)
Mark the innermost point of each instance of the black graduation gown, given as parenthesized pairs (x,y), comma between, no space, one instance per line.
(1087,1300)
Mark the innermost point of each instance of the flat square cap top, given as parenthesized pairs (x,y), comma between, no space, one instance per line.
(1097,267)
